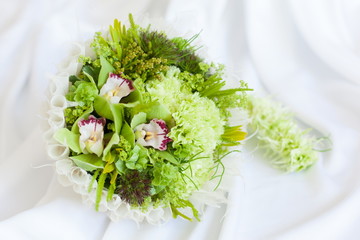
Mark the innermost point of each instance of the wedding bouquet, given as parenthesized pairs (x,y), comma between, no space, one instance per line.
(140,124)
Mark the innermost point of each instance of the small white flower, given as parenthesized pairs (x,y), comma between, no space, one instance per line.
(116,88)
(153,134)
(92,135)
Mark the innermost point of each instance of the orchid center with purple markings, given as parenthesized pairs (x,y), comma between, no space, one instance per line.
(153,134)
(92,135)
(116,87)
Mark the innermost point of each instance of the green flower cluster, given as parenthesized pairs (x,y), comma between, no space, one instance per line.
(286,144)
(199,125)
(173,95)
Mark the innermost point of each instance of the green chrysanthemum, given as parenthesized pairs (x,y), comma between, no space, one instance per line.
(199,125)
(286,144)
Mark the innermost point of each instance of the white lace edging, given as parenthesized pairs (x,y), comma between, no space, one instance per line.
(71,175)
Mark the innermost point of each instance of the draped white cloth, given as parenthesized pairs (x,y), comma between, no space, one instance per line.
(304,53)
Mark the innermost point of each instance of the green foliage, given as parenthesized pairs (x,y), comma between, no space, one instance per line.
(138,119)
(156,44)
(111,191)
(137,64)
(99,189)
(128,134)
(114,140)
(106,68)
(185,44)
(82,92)
(138,158)
(153,110)
(195,82)
(71,114)
(88,162)
(68,138)
(114,112)
(232,98)
(211,85)
(122,151)
(190,62)
(176,51)
(124,147)
(102,107)
(117,111)
(84,115)
(164,174)
(183,204)
(232,136)
(101,46)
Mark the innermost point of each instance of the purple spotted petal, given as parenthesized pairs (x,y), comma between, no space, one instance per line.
(153,134)
(116,87)
(92,135)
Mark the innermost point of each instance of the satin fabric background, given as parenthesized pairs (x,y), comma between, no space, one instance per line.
(304,53)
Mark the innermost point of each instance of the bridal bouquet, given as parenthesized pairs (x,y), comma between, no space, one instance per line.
(140,124)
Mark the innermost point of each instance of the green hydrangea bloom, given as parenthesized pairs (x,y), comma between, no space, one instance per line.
(85,93)
(164,174)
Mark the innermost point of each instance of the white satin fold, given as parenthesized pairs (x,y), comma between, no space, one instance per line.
(304,53)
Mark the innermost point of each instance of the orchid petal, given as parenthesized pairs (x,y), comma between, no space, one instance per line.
(92,135)
(153,134)
(116,88)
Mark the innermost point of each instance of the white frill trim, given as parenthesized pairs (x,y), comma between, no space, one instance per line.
(71,175)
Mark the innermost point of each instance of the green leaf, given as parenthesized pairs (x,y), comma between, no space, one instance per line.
(74,79)
(115,35)
(131,162)
(106,68)
(153,110)
(183,204)
(118,116)
(120,166)
(88,162)
(84,115)
(111,191)
(133,96)
(90,78)
(138,158)
(68,138)
(168,156)
(93,72)
(109,168)
(113,140)
(102,107)
(128,134)
(138,119)
(94,177)
(156,110)
(129,105)
(114,112)
(109,158)
(100,187)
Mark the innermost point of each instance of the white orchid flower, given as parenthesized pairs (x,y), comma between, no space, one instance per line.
(92,135)
(116,88)
(153,134)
